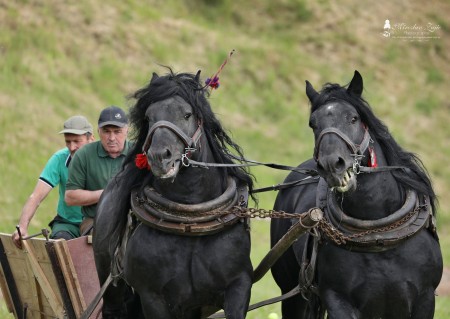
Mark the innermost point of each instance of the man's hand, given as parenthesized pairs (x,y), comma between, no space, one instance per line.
(16,237)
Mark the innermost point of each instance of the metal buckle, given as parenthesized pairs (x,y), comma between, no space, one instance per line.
(356,167)
(185,160)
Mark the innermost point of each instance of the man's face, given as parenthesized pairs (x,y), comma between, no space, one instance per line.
(113,139)
(74,141)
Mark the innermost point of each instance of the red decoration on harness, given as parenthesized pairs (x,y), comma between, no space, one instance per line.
(141,161)
(373,158)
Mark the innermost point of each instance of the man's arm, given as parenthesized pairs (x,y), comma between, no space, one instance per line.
(40,192)
(82,197)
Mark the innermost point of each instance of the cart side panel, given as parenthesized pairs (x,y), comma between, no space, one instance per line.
(82,257)
(23,282)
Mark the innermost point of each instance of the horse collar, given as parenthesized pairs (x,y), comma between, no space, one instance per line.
(206,218)
(376,235)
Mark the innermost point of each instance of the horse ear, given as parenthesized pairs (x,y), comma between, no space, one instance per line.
(356,85)
(310,92)
(154,77)
(197,76)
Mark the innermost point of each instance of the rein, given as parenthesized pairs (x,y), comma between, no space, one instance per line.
(187,162)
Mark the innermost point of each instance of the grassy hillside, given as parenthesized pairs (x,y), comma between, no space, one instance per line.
(60,58)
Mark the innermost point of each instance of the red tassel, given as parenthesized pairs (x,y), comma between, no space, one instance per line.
(373,158)
(141,161)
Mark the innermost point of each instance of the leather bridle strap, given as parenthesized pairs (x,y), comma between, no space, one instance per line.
(189,142)
(355,148)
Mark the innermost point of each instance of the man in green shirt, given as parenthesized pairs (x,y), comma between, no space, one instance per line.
(94,165)
(77,132)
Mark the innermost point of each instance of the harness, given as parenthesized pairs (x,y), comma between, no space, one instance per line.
(355,234)
(191,143)
(357,149)
(155,211)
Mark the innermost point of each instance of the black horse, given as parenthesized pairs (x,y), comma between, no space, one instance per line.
(377,255)
(181,257)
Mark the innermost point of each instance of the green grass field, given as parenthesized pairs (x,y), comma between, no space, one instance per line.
(58,59)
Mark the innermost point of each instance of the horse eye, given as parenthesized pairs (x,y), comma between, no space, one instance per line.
(354,119)
(187,115)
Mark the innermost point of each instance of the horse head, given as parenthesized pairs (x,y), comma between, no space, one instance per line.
(341,137)
(168,120)
(174,132)
(173,122)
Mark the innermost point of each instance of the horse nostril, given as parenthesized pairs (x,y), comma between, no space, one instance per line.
(168,154)
(340,164)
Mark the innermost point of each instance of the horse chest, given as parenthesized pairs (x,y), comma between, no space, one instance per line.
(179,261)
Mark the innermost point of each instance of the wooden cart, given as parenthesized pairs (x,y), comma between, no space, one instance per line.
(48,278)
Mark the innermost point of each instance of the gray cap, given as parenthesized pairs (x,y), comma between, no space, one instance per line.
(77,125)
(113,115)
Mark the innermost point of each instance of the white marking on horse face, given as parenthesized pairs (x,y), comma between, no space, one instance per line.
(331,107)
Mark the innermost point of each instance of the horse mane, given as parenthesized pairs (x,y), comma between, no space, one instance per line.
(188,87)
(395,155)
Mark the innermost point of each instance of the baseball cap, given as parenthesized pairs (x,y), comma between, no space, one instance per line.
(112,115)
(77,125)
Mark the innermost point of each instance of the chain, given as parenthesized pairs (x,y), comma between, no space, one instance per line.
(340,238)
(245,212)
(240,211)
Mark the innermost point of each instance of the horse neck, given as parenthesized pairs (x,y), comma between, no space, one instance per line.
(193,184)
(377,194)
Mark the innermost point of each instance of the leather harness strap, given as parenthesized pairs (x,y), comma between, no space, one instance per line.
(376,235)
(190,220)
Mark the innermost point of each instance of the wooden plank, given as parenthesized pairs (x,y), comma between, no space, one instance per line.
(59,275)
(33,276)
(71,276)
(45,288)
(8,285)
(53,298)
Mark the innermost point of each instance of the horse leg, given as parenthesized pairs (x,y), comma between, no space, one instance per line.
(154,306)
(424,307)
(237,298)
(113,302)
(338,308)
(298,308)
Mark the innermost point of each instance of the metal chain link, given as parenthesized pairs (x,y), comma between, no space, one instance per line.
(240,210)
(324,225)
(340,238)
(245,212)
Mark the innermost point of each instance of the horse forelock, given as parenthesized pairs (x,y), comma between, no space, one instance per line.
(394,153)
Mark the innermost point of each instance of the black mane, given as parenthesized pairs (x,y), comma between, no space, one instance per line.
(395,155)
(188,87)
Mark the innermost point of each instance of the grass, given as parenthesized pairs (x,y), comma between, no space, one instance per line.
(60,59)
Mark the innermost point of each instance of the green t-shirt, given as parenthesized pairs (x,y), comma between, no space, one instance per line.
(91,169)
(55,173)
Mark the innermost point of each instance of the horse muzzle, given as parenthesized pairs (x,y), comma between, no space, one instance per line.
(338,173)
(165,160)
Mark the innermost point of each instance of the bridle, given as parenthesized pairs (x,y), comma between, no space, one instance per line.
(191,143)
(357,150)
